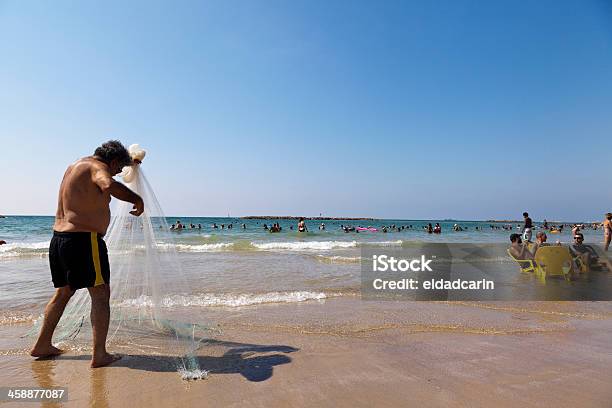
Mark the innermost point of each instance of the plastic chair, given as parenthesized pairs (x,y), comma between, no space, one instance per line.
(527,265)
(555,261)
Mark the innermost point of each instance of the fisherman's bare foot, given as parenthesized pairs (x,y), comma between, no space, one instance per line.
(105,360)
(45,351)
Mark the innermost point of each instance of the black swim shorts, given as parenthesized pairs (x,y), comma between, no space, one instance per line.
(78,259)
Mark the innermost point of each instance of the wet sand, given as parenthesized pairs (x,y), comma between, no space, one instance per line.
(349,352)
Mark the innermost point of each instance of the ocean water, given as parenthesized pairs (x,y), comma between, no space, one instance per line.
(27,235)
(243,267)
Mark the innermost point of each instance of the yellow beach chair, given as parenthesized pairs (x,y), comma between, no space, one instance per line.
(527,265)
(581,265)
(555,261)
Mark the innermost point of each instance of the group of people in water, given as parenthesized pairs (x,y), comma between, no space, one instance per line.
(178,226)
(276,227)
(526,229)
(301,227)
(529,226)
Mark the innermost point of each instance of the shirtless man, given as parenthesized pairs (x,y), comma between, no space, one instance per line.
(77,253)
(607,227)
(541,239)
(518,248)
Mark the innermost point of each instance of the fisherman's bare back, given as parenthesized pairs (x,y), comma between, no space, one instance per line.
(84,197)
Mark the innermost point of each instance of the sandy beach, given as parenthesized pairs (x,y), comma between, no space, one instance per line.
(289,327)
(349,352)
(306,204)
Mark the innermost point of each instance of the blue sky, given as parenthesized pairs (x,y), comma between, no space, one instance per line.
(430,109)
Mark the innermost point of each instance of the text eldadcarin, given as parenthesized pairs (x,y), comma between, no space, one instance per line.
(386,263)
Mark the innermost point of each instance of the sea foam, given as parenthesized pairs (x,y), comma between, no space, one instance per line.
(226,300)
(24,249)
(305,245)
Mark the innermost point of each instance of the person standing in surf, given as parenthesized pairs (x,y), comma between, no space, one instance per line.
(527,228)
(607,227)
(77,253)
(302,225)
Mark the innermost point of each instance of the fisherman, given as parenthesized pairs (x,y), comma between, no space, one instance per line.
(77,253)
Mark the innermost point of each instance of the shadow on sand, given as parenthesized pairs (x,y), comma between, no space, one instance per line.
(254,362)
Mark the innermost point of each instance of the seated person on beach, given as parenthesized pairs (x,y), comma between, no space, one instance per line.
(586,253)
(540,241)
(518,248)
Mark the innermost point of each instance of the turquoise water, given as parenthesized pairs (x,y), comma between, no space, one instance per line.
(248,267)
(29,235)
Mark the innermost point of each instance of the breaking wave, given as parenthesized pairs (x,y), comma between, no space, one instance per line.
(306,245)
(19,249)
(337,259)
(227,300)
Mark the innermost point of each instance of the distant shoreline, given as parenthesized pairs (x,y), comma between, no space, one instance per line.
(291,217)
(523,221)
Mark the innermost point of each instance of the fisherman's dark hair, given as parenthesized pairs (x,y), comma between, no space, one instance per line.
(111,150)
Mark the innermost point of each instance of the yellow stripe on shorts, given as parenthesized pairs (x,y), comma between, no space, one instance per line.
(95,254)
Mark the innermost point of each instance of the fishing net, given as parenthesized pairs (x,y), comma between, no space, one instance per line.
(147,285)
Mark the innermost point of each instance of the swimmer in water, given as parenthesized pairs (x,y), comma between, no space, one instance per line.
(527,228)
(302,226)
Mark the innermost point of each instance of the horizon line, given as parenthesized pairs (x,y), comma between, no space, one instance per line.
(332,217)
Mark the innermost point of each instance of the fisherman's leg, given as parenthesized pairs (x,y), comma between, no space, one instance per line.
(53,313)
(100,316)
